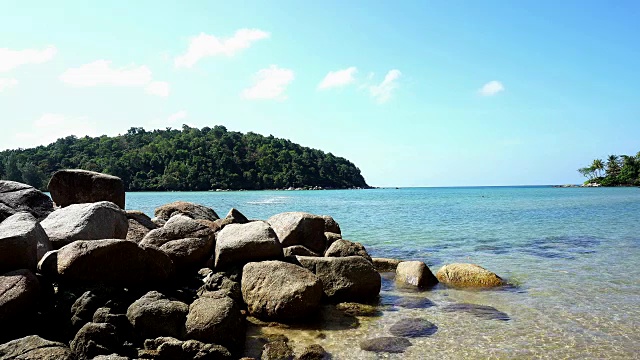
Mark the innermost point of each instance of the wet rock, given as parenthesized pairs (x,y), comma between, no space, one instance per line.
(385,344)
(276,290)
(167,348)
(155,315)
(468,275)
(194,211)
(111,261)
(73,186)
(139,225)
(343,248)
(298,250)
(277,350)
(35,348)
(330,225)
(298,228)
(481,311)
(22,242)
(313,352)
(356,309)
(415,273)
(413,302)
(238,244)
(385,265)
(94,221)
(16,197)
(345,279)
(219,321)
(19,291)
(95,339)
(413,328)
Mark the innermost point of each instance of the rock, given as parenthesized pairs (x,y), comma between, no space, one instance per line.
(331,237)
(275,290)
(22,242)
(330,225)
(385,265)
(468,275)
(298,250)
(120,321)
(233,217)
(84,307)
(389,344)
(176,228)
(415,273)
(413,328)
(112,261)
(167,348)
(313,352)
(298,228)
(216,321)
(73,186)
(356,309)
(111,357)
(481,311)
(194,211)
(19,291)
(17,197)
(155,315)
(94,221)
(160,222)
(277,350)
(343,248)
(139,225)
(219,282)
(345,279)
(238,244)
(95,339)
(35,348)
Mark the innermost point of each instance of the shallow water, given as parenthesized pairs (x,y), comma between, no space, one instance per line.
(573,255)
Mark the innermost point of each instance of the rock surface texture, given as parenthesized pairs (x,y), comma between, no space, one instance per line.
(415,273)
(298,228)
(194,211)
(238,244)
(468,275)
(22,242)
(17,197)
(74,186)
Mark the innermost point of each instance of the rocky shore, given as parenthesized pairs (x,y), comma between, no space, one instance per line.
(82,278)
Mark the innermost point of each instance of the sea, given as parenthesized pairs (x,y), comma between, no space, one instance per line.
(570,255)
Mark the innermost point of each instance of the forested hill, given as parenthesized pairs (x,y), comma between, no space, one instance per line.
(187,159)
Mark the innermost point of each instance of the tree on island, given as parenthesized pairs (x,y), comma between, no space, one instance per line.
(620,170)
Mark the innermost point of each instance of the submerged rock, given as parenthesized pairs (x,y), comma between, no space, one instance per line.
(356,309)
(388,344)
(413,302)
(415,273)
(468,275)
(481,311)
(17,197)
(194,211)
(412,328)
(74,186)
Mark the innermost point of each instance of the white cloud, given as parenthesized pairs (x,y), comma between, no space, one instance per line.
(11,59)
(159,88)
(50,127)
(383,91)
(205,45)
(101,73)
(270,83)
(180,115)
(7,83)
(491,88)
(338,78)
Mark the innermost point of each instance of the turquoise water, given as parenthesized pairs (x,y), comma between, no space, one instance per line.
(573,254)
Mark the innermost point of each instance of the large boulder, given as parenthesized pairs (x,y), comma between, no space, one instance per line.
(468,275)
(35,348)
(275,290)
(19,291)
(238,244)
(216,320)
(111,261)
(194,211)
(139,225)
(22,242)
(155,315)
(330,225)
(177,227)
(93,221)
(342,248)
(345,279)
(17,197)
(415,273)
(95,339)
(74,186)
(299,228)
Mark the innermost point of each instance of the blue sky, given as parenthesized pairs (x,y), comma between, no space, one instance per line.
(415,93)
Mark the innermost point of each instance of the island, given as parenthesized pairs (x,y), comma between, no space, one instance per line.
(619,170)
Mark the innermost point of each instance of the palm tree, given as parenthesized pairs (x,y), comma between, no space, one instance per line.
(613,166)
(597,166)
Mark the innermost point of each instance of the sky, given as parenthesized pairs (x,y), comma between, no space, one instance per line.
(415,93)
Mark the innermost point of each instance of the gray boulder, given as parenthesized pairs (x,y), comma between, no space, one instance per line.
(139,225)
(22,242)
(342,248)
(299,228)
(17,197)
(275,290)
(35,348)
(74,186)
(93,221)
(238,244)
(345,279)
(19,291)
(233,217)
(330,225)
(298,250)
(111,261)
(216,320)
(415,273)
(177,227)
(95,339)
(194,211)
(155,315)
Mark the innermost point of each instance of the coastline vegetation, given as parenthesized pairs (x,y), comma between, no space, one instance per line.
(617,170)
(189,159)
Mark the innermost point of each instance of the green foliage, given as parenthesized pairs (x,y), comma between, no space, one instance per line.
(187,159)
(623,170)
